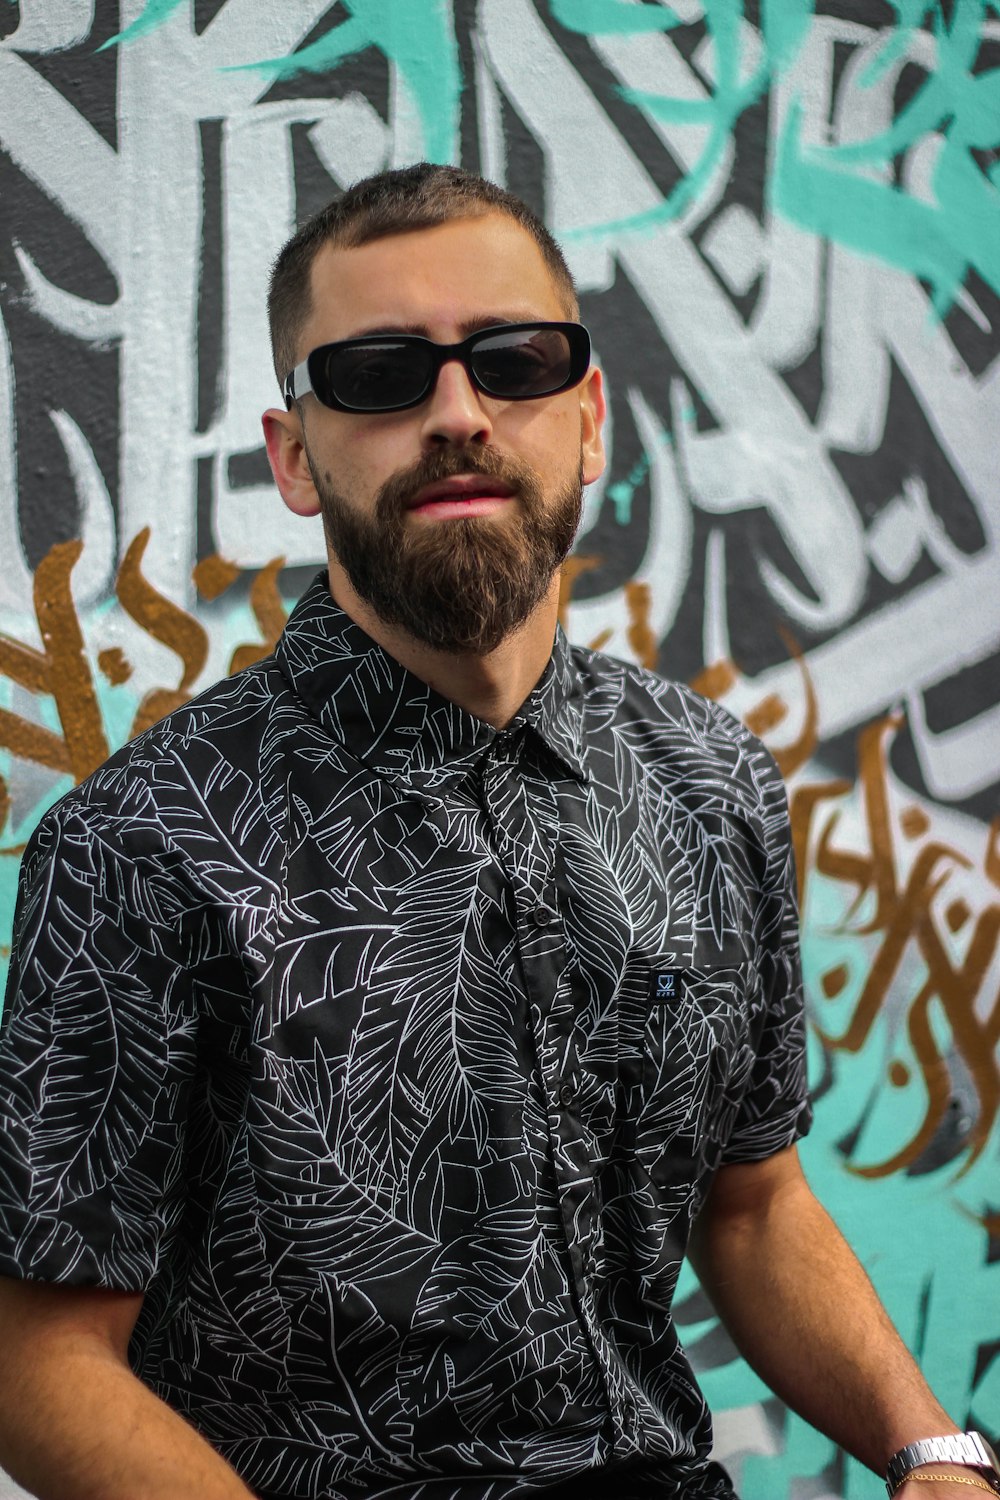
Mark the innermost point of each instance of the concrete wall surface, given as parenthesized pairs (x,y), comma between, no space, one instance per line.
(785,225)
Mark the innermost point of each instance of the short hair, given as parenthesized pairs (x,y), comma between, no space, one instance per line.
(394,202)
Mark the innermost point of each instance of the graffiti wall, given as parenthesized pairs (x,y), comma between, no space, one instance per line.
(785,225)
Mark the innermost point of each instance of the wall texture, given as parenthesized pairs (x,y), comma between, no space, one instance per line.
(785,223)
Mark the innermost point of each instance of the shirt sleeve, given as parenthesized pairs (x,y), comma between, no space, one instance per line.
(96,1055)
(775,1109)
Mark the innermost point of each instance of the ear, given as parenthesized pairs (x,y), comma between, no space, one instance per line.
(593,410)
(286,452)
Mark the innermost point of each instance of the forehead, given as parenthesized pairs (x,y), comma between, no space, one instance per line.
(440,281)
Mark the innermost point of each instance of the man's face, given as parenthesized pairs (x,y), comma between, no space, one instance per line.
(449,519)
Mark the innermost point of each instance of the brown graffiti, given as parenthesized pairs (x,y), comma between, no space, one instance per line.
(791,758)
(60,670)
(904,920)
(904,916)
(166,622)
(213,575)
(638,604)
(991,860)
(268,611)
(640,634)
(571,570)
(715,680)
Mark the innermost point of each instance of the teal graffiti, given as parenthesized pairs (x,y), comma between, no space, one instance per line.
(417,37)
(830,190)
(620,494)
(921,1237)
(612,17)
(939,241)
(910,16)
(154,15)
(784,24)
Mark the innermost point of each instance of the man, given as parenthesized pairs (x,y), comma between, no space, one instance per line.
(385,1024)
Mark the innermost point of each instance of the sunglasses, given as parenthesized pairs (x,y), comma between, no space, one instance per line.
(392,371)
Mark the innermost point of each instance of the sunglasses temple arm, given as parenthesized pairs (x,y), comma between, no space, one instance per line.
(297,384)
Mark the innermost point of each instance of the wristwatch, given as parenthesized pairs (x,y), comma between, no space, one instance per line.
(968,1450)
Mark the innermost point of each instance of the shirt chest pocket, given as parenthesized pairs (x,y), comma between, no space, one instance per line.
(695,1057)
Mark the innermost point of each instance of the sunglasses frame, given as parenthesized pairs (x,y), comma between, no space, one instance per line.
(299,382)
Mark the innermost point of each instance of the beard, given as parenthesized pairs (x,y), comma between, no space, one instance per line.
(460,585)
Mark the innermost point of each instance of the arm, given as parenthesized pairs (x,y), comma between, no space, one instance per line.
(814,1328)
(75,1423)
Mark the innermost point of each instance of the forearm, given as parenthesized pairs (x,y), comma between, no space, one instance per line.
(76,1424)
(803,1313)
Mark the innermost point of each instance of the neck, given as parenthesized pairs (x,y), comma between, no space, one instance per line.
(491,687)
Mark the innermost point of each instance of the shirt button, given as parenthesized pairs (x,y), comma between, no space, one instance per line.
(566,1095)
(543,915)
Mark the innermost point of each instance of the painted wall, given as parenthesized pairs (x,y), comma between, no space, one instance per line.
(785,223)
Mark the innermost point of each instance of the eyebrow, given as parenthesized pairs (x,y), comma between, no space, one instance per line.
(467,327)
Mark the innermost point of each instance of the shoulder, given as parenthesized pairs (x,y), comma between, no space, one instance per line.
(697,759)
(671,720)
(208,750)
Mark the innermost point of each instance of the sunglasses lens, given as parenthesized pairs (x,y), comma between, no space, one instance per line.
(375,374)
(522,363)
(374,377)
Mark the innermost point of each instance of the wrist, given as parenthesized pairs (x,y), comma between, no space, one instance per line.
(958,1459)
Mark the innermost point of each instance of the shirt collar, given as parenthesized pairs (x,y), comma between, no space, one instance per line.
(396,723)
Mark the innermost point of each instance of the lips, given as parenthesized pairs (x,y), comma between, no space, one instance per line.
(461,487)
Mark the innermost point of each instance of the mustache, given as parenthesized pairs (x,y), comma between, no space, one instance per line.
(446,463)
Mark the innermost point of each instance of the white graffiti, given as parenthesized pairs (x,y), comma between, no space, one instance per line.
(883,604)
(141,207)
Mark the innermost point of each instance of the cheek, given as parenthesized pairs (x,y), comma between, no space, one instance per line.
(357,467)
(550,442)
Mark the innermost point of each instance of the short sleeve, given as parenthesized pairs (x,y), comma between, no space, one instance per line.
(97,1048)
(775,1110)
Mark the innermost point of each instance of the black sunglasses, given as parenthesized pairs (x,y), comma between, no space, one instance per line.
(392,371)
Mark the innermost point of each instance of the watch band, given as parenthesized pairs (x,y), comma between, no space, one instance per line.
(967,1450)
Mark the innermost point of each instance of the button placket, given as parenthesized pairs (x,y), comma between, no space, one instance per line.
(525,839)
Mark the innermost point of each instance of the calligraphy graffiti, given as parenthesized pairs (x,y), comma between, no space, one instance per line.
(784,221)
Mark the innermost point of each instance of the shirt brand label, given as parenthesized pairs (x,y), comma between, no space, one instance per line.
(667,986)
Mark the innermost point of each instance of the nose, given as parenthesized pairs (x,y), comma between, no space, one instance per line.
(454,412)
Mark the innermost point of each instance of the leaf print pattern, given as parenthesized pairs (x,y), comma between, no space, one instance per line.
(333,1027)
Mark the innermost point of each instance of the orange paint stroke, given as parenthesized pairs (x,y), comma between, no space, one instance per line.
(213,575)
(873,759)
(877,870)
(908,912)
(975,1040)
(571,570)
(914,822)
(269,612)
(115,665)
(167,623)
(62,670)
(991,862)
(790,758)
(640,635)
(768,714)
(801,809)
(715,680)
(936,1080)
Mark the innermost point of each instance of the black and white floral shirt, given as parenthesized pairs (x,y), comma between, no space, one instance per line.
(392,1056)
